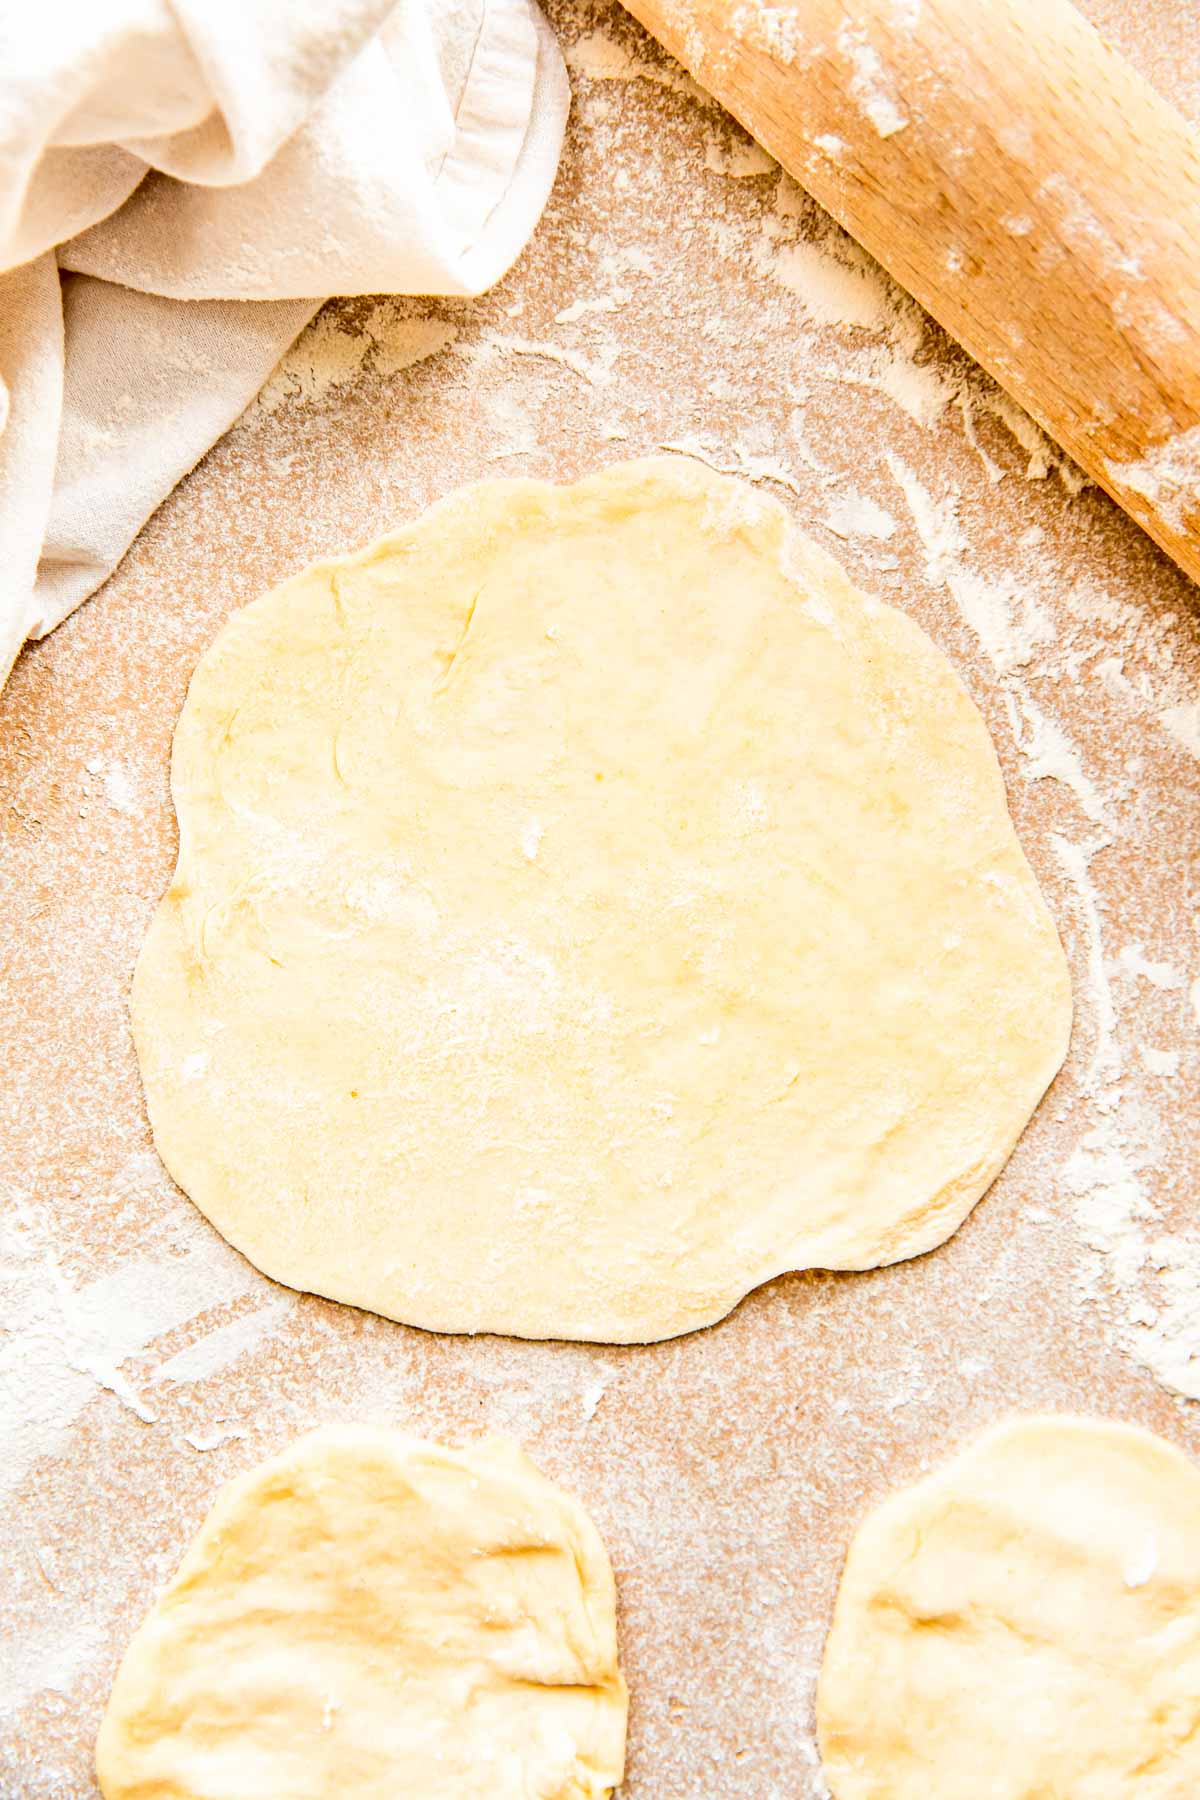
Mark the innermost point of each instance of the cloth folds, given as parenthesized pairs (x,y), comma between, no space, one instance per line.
(182,184)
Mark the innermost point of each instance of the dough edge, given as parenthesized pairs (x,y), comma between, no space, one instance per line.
(872,1547)
(494,1455)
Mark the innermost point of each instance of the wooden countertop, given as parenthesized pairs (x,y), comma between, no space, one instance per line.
(678,293)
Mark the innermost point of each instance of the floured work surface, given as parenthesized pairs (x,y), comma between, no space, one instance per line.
(678,293)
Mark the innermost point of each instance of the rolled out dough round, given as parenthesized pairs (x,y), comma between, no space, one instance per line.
(588,906)
(371,1616)
(1026,1622)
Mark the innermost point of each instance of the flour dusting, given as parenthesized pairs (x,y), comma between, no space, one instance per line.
(1168,476)
(1183,724)
(869,84)
(681,291)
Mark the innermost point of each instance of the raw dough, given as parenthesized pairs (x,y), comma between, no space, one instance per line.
(1023,1625)
(588,906)
(367,1617)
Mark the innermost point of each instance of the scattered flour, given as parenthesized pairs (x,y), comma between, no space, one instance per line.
(741,161)
(853,515)
(67,1644)
(1134,962)
(220,1349)
(214,1439)
(323,359)
(65,1344)
(398,340)
(774,29)
(1148,1275)
(597,371)
(1168,476)
(1183,724)
(869,84)
(1010,622)
(121,789)
(333,352)
(598,57)
(1051,756)
(837,291)
(740,461)
(579,309)
(515,433)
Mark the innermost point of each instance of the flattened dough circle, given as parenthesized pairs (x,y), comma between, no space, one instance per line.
(371,1615)
(1024,1622)
(588,906)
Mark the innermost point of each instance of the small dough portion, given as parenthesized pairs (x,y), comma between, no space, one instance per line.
(589,905)
(374,1616)
(1025,1622)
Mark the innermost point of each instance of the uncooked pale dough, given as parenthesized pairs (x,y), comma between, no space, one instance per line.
(372,1616)
(1023,1625)
(588,906)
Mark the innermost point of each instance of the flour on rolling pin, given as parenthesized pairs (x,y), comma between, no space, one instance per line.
(1017,177)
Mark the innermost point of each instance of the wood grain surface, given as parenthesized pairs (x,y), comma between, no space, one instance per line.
(1021,179)
(679,291)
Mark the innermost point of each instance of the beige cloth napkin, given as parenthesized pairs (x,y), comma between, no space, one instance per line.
(182,183)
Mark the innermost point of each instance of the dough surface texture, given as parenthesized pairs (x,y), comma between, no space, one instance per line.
(589,906)
(1023,1625)
(368,1616)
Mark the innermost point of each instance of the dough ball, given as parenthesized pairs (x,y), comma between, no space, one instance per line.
(1023,1625)
(588,906)
(371,1616)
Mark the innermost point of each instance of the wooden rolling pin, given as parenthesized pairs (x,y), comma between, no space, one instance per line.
(1016,176)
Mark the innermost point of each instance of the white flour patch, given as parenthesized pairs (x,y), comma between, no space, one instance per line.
(1044,457)
(511,423)
(214,1439)
(67,1345)
(853,515)
(920,390)
(333,352)
(1183,724)
(738,161)
(1150,1275)
(121,789)
(598,57)
(770,28)
(1168,476)
(1134,962)
(1051,756)
(1076,860)
(1006,616)
(67,1643)
(597,371)
(579,309)
(221,1348)
(869,84)
(323,358)
(590,1399)
(832,291)
(737,461)
(397,340)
